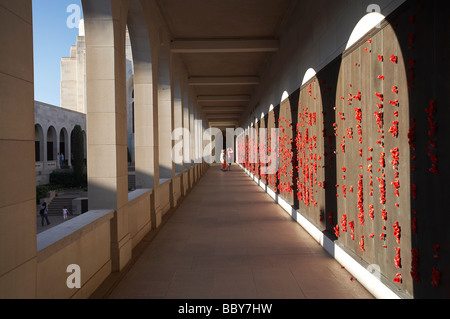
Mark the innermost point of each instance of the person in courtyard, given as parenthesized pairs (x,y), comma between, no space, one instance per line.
(44,213)
(65,212)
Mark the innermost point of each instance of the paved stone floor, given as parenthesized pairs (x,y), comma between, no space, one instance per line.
(229,240)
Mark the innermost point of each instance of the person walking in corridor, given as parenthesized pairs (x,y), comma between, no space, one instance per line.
(230,157)
(44,214)
(223,160)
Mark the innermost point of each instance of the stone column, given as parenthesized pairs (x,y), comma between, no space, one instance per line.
(106,119)
(165,110)
(145,108)
(17,169)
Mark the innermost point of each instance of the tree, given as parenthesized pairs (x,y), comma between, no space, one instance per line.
(78,155)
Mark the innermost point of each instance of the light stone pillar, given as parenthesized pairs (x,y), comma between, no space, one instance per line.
(106,120)
(145,109)
(192,143)
(177,120)
(165,110)
(17,169)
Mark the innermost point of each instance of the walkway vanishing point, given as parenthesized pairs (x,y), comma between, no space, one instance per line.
(229,240)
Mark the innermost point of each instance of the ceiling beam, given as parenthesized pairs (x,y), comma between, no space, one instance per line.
(222,116)
(221,109)
(223,124)
(223,81)
(223,121)
(217,98)
(224,46)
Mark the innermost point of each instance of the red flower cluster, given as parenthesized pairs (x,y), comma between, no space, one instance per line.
(394,59)
(379,116)
(397,232)
(396,185)
(431,111)
(371,212)
(382,189)
(397,259)
(395,89)
(414,225)
(344,223)
(336,231)
(395,154)
(361,243)
(435,277)
(394,129)
(383,214)
(358,116)
(352,228)
(412,135)
(415,265)
(360,200)
(382,161)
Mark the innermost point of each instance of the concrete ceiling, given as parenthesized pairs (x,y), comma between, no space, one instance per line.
(225,45)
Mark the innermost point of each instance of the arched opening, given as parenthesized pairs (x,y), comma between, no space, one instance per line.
(366,24)
(284,96)
(372,151)
(263,147)
(143,110)
(309,143)
(63,147)
(38,143)
(129,80)
(74,140)
(310,73)
(51,144)
(286,124)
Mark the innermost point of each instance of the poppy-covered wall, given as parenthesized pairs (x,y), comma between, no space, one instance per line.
(362,149)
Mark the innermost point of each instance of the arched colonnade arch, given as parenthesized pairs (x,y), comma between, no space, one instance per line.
(160,106)
(346,153)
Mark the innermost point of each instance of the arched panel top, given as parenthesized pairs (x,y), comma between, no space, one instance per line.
(309,74)
(367,23)
(284,96)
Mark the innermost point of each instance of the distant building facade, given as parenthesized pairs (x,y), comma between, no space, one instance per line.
(54,125)
(53,129)
(73,82)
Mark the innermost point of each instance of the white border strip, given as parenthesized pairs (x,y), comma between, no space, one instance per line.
(363,275)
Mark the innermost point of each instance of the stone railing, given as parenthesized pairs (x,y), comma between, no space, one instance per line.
(84,242)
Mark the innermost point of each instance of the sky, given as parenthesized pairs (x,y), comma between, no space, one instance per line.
(53,35)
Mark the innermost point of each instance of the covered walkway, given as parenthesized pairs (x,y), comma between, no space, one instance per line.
(229,240)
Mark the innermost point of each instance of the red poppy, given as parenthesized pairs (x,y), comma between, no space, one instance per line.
(361,244)
(398,278)
(371,212)
(436,277)
(415,265)
(397,231)
(384,214)
(397,259)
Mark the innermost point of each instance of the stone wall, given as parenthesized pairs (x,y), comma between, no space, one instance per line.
(370,141)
